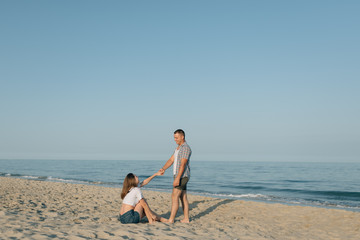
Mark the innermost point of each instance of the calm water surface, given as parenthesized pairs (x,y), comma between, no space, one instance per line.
(335,185)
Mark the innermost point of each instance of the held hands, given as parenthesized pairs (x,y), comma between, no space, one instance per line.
(160,172)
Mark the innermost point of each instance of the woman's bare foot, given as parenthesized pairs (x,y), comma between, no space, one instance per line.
(185,221)
(164,220)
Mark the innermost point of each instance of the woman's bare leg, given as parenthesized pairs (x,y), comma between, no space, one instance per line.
(158,217)
(140,210)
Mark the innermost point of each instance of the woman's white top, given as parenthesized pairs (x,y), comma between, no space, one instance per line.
(176,153)
(133,197)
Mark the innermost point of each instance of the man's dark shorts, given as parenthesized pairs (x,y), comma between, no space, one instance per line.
(130,217)
(183,183)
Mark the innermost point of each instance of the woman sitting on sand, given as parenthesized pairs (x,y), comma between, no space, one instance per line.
(134,206)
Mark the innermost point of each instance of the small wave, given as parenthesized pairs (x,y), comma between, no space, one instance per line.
(329,194)
(13,175)
(333,194)
(236,196)
(282,200)
(81,181)
(50,178)
(67,180)
(243,195)
(30,177)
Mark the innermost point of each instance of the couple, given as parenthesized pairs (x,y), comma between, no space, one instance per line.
(134,206)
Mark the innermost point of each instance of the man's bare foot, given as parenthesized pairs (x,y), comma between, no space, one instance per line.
(185,221)
(164,220)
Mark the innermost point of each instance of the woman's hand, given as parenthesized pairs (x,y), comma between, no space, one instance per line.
(152,219)
(159,173)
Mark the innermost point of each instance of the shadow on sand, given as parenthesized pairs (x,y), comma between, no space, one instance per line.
(210,209)
(201,214)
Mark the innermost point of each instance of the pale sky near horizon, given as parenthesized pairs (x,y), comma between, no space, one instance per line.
(246,80)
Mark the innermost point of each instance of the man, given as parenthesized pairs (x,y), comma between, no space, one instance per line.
(181,170)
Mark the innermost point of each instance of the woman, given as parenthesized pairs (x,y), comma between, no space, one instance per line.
(134,207)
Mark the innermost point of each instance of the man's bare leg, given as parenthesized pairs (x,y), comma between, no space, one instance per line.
(174,204)
(185,206)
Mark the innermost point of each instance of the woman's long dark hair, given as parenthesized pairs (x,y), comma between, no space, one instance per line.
(129,182)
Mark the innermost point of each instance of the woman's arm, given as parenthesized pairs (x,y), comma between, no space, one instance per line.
(147,210)
(146,181)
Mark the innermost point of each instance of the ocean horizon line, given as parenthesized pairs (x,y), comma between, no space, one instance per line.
(197,160)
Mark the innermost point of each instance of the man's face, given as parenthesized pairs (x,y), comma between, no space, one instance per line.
(178,138)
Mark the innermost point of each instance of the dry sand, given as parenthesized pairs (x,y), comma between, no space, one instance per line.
(48,210)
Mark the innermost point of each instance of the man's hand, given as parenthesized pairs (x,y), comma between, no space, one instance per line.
(176,182)
(162,171)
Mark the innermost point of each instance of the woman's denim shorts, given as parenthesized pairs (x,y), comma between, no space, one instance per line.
(130,217)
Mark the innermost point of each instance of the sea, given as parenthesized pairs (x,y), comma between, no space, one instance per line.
(328,185)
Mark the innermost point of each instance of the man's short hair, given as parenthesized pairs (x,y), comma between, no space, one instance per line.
(180,131)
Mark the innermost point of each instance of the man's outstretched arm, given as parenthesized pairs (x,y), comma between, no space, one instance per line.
(167,164)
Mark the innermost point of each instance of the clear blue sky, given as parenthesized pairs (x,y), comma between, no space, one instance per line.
(246,80)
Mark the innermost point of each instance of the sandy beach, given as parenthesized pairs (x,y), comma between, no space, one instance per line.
(49,210)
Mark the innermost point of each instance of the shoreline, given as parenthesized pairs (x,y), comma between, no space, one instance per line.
(211,195)
(35,209)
